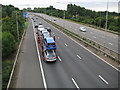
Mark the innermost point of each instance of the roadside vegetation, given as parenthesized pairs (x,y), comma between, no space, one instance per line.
(82,15)
(10,40)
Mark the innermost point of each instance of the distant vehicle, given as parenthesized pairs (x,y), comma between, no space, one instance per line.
(83,29)
(49,43)
(48,29)
(54,19)
(36,26)
(40,23)
(41,28)
(44,31)
(45,35)
(50,55)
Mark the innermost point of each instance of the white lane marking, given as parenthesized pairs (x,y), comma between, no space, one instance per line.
(78,56)
(59,58)
(85,48)
(40,63)
(58,37)
(103,79)
(75,83)
(66,44)
(94,37)
(110,43)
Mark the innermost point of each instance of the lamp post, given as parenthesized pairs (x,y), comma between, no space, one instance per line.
(17,26)
(106,24)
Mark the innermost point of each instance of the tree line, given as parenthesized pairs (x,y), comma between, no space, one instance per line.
(80,14)
(9,29)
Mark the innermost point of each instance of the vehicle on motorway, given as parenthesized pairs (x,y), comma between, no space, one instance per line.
(49,43)
(41,28)
(50,55)
(36,26)
(46,43)
(45,35)
(48,29)
(44,31)
(54,19)
(83,29)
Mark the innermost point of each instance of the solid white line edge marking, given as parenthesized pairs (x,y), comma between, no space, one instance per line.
(85,48)
(78,56)
(103,79)
(41,67)
(59,58)
(75,83)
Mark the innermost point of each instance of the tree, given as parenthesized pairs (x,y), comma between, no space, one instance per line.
(8,44)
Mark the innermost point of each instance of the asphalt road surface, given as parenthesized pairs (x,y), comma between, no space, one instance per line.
(106,39)
(29,73)
(76,66)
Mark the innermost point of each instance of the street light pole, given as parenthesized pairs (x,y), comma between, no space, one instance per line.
(64,14)
(106,24)
(17,27)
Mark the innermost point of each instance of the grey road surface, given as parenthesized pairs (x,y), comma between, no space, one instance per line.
(29,74)
(106,39)
(75,62)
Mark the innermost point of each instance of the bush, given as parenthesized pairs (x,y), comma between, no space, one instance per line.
(8,44)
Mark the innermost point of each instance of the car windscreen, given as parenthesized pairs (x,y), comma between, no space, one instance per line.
(51,43)
(51,54)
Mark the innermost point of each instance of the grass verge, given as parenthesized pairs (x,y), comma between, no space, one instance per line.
(26,25)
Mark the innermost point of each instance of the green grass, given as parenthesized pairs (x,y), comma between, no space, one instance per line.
(26,25)
(6,71)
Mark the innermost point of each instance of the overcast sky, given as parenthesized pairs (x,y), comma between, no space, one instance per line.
(97,5)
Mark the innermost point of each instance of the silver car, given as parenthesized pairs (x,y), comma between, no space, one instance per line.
(83,29)
(50,55)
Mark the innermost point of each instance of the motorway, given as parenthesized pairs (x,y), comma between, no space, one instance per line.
(101,37)
(75,68)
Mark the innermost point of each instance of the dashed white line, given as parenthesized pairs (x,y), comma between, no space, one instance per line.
(103,79)
(78,56)
(94,37)
(66,44)
(110,43)
(75,83)
(59,58)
